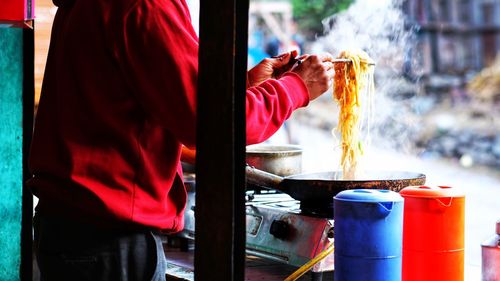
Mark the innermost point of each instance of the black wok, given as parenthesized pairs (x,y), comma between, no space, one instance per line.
(322,187)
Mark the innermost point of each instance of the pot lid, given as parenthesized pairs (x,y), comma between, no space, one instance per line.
(425,191)
(369,195)
(263,149)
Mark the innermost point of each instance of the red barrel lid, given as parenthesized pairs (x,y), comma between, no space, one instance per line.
(425,191)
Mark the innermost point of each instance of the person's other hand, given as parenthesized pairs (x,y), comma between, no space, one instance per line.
(268,68)
(317,72)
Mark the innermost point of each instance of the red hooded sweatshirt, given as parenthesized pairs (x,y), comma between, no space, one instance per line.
(118,101)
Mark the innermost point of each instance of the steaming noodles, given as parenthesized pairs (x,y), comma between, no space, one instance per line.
(350,82)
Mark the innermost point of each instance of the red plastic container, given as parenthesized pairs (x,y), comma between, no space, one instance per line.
(16,10)
(433,233)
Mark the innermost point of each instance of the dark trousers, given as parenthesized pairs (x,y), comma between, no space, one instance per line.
(68,251)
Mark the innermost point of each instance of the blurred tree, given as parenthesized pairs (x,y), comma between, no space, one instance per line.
(309,14)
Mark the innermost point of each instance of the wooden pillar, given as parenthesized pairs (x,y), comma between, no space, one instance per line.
(28,117)
(433,38)
(220,171)
(16,115)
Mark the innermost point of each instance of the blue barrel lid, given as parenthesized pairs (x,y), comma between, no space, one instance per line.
(369,195)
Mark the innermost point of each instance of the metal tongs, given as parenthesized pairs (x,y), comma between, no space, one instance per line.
(297,61)
(369,62)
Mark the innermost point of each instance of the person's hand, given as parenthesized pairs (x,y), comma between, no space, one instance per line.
(270,68)
(317,73)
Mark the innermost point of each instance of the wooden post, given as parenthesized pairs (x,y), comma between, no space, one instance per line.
(28,115)
(220,171)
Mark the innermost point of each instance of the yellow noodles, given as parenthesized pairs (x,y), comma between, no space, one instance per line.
(349,81)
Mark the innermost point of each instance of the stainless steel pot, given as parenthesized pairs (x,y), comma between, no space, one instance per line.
(282,160)
(490,267)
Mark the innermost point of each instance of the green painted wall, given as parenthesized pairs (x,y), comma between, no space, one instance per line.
(11,166)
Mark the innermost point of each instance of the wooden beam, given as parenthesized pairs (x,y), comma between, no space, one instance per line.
(462,29)
(220,171)
(28,112)
(271,7)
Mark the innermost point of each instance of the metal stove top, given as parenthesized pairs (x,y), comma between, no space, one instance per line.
(278,230)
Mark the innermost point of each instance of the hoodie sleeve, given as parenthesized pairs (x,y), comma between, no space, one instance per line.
(160,61)
(271,103)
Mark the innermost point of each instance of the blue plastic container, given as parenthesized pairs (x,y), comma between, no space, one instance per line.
(368,227)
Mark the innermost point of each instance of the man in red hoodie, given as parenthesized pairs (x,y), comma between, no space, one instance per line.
(118,102)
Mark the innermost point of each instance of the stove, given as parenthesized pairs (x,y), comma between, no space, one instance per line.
(279,228)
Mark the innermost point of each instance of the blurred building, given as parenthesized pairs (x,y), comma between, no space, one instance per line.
(455,36)
(270,29)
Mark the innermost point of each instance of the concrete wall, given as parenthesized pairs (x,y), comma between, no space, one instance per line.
(11,151)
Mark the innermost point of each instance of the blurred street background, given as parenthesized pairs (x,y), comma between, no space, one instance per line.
(437,101)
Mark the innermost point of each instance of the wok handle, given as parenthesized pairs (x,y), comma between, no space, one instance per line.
(263,179)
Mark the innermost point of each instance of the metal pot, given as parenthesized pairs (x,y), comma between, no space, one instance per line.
(282,160)
(491,257)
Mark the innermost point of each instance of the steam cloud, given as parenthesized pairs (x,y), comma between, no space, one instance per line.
(379,28)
